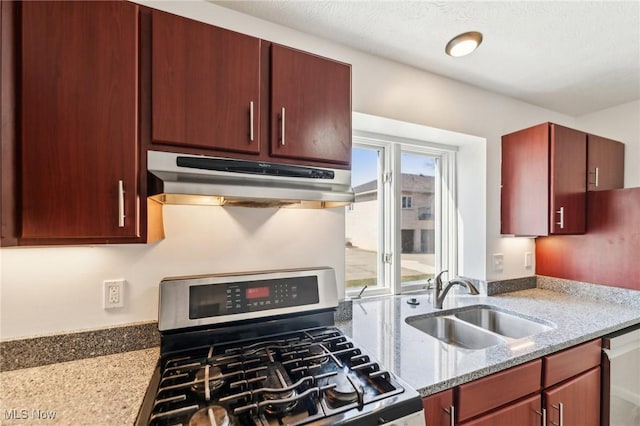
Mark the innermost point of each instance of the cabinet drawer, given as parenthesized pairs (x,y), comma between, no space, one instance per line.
(527,411)
(498,389)
(563,365)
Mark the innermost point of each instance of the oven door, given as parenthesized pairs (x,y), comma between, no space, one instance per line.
(415,419)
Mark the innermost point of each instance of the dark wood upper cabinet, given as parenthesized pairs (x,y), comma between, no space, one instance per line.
(310,107)
(217,92)
(605,164)
(544,181)
(88,87)
(9,179)
(79,110)
(205,84)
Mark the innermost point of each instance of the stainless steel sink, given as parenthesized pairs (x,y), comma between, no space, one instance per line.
(454,332)
(502,323)
(478,326)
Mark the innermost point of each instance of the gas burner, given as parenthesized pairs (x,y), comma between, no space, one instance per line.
(282,407)
(213,415)
(345,391)
(213,374)
(316,351)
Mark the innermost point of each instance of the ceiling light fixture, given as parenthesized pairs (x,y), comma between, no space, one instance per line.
(463,44)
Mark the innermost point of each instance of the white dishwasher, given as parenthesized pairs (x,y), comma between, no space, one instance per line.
(621,378)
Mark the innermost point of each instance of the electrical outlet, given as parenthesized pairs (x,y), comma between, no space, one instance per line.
(113,294)
(498,262)
(528,259)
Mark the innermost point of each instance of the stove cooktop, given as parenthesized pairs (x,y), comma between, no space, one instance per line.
(314,376)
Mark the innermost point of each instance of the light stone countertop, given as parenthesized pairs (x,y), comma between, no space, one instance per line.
(429,366)
(105,390)
(108,390)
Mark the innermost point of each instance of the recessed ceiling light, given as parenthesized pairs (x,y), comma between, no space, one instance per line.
(463,44)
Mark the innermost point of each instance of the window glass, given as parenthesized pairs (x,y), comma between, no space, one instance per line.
(398,228)
(417,223)
(362,226)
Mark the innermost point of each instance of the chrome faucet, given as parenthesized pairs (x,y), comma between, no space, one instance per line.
(439,294)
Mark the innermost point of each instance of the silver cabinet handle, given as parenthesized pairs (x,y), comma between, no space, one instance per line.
(282,127)
(560,408)
(561,213)
(121,204)
(251,121)
(452,415)
(543,415)
(596,174)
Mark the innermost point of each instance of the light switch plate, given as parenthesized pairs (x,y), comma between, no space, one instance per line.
(498,262)
(528,260)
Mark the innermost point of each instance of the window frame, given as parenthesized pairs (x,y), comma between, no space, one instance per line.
(389,210)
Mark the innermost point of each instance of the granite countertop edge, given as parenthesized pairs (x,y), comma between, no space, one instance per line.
(517,360)
(579,319)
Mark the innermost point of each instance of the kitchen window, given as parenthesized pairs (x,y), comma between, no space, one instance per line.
(400,229)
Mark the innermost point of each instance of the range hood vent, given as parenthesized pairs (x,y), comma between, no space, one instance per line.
(200,180)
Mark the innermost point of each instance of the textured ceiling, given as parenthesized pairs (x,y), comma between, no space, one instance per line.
(573,57)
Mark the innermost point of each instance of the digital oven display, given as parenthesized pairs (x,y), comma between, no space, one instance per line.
(256,293)
(211,300)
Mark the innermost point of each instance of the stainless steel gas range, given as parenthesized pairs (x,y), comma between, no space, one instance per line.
(261,349)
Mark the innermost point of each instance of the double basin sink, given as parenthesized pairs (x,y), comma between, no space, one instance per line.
(478,326)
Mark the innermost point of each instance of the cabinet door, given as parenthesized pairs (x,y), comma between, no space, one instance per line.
(205,84)
(605,163)
(310,107)
(526,412)
(79,119)
(568,196)
(438,409)
(576,401)
(524,208)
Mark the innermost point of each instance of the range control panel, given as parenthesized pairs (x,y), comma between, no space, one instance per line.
(212,300)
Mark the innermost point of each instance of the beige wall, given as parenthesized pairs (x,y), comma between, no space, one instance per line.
(48,290)
(621,123)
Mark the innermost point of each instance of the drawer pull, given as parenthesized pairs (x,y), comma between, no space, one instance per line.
(560,408)
(451,412)
(543,416)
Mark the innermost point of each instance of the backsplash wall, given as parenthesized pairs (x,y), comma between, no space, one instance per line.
(54,289)
(608,253)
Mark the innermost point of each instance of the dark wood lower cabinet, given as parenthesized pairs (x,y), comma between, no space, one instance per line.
(497,390)
(438,409)
(576,401)
(525,412)
(562,388)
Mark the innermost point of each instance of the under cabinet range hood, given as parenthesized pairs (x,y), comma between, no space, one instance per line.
(201,180)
